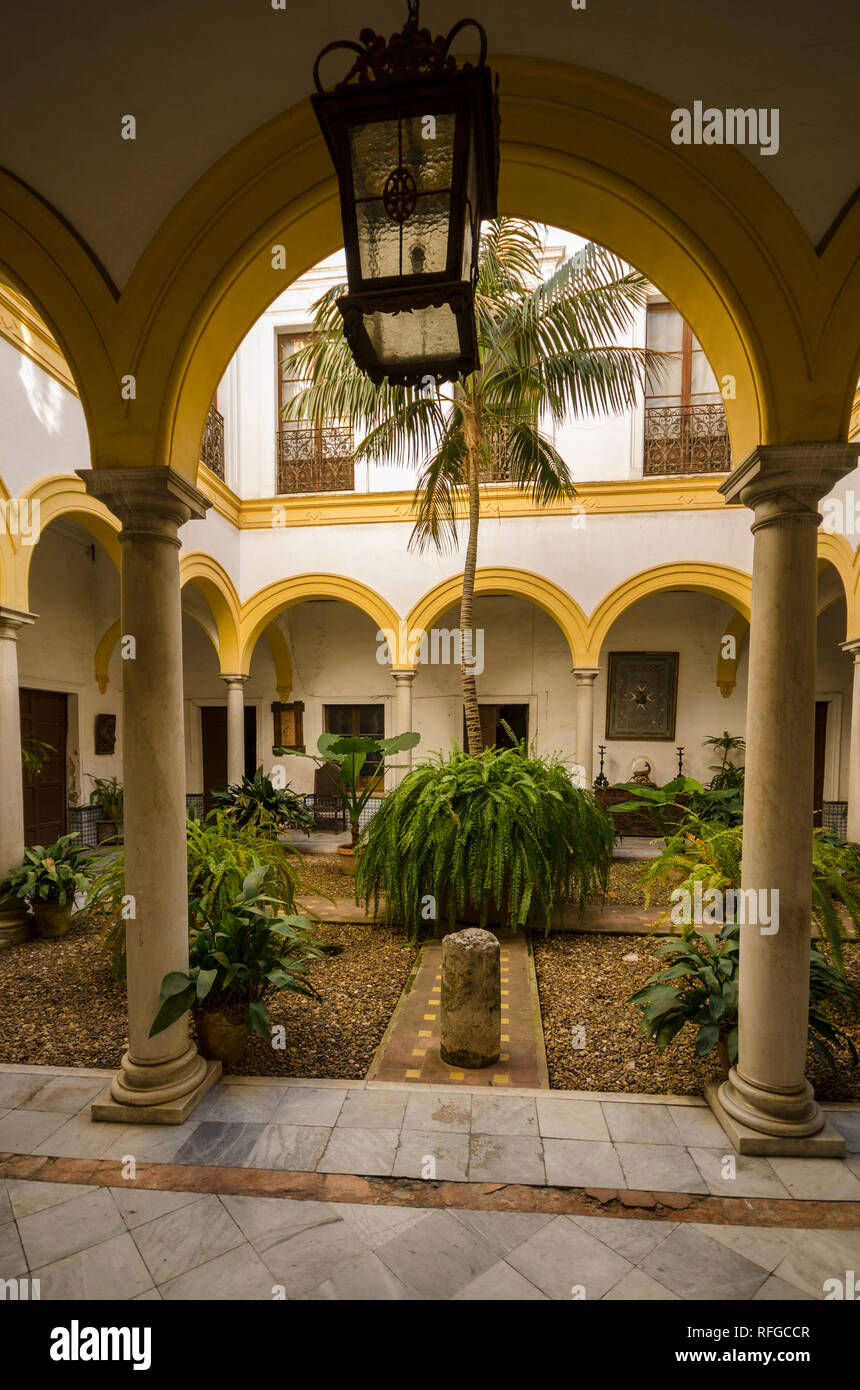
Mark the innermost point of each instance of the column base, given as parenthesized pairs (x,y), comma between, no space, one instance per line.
(825,1142)
(169,1104)
(16,925)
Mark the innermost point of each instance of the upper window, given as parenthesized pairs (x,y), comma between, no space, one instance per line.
(312,456)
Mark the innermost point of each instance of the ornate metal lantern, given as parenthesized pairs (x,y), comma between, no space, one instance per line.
(414,139)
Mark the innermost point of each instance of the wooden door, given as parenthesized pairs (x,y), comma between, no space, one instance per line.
(214,725)
(44,716)
(818,764)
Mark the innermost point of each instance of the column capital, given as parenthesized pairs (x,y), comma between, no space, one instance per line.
(231,679)
(13,618)
(790,478)
(153,500)
(586,675)
(404,675)
(852,647)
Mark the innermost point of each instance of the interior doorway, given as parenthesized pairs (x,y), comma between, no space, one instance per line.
(493,732)
(44,717)
(214,730)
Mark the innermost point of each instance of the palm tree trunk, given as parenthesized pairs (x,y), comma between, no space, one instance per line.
(468,646)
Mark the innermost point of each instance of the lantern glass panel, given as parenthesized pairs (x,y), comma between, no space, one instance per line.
(417,247)
(422,336)
(472,226)
(402,178)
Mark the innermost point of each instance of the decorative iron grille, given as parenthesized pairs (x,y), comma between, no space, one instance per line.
(686,439)
(316,458)
(499,469)
(212,447)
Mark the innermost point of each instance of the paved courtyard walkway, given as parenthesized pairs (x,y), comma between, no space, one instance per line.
(409,1050)
(350,1190)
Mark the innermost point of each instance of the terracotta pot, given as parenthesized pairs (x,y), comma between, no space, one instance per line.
(51,919)
(221,1038)
(346,856)
(16,924)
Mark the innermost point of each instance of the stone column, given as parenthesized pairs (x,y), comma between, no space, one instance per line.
(403,681)
(160,1079)
(585,678)
(853,830)
(767,1105)
(235,727)
(13,915)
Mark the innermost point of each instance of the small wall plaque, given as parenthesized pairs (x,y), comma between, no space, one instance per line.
(288,725)
(105,738)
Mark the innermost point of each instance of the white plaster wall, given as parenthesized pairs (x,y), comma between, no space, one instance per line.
(42,428)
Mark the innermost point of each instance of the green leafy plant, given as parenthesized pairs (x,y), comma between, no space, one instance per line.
(671,804)
(502,826)
(34,755)
(725,773)
(107,793)
(699,986)
(709,854)
(221,855)
(549,350)
(52,875)
(357,759)
(238,956)
(257,801)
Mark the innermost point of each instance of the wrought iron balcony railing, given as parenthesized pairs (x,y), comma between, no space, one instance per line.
(316,458)
(686,439)
(212,445)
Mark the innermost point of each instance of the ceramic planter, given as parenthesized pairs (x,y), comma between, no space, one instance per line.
(108,830)
(221,1038)
(51,919)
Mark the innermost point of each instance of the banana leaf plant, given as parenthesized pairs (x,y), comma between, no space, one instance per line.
(239,956)
(359,759)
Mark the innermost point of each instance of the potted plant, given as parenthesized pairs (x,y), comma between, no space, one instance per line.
(238,956)
(107,794)
(360,766)
(49,879)
(502,830)
(257,801)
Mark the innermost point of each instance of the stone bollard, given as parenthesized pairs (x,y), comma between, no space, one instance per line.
(471,999)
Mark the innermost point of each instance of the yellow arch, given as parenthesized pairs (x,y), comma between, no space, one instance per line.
(837,551)
(56,496)
(259,611)
(719,580)
(283,661)
(499,579)
(727,666)
(218,589)
(581,149)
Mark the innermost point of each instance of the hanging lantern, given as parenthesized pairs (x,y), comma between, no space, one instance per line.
(414,140)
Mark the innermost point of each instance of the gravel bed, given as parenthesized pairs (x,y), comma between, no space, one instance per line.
(586,980)
(61,1008)
(321,873)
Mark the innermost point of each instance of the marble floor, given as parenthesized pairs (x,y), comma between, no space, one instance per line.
(114,1240)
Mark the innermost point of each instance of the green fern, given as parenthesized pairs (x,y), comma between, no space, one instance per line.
(466,830)
(221,855)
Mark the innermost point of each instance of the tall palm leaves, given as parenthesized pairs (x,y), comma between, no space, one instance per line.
(549,351)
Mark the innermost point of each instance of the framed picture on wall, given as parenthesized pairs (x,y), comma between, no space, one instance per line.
(287,723)
(105,733)
(642,695)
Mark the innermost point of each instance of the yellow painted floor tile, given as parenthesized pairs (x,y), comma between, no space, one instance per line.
(425,1033)
(410,1075)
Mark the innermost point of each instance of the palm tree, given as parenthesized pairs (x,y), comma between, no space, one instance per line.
(548,351)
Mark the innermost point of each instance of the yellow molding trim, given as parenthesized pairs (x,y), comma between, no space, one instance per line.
(263,607)
(224,500)
(21,326)
(695,493)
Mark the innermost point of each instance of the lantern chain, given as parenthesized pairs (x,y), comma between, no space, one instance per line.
(414,6)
